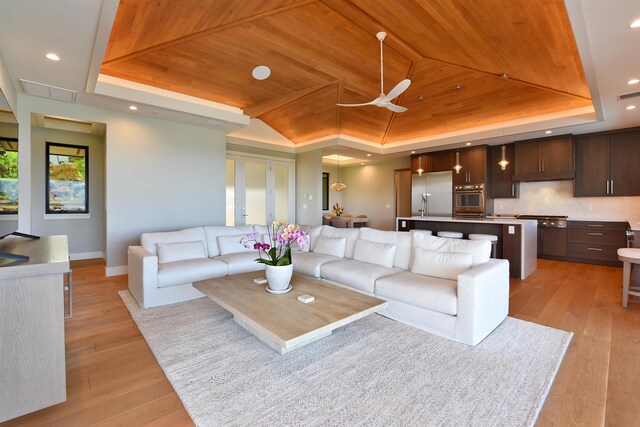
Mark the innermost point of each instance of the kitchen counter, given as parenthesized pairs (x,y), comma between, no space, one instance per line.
(517,238)
(634,224)
(598,219)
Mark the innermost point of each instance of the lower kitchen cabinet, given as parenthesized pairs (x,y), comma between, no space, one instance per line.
(552,242)
(596,242)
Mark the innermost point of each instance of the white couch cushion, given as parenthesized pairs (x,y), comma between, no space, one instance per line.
(180,251)
(356,274)
(313,233)
(213,231)
(443,265)
(351,235)
(241,262)
(189,271)
(480,250)
(420,291)
(309,263)
(231,244)
(149,240)
(401,239)
(381,254)
(334,246)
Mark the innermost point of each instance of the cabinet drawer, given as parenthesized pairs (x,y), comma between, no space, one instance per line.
(598,225)
(596,236)
(592,252)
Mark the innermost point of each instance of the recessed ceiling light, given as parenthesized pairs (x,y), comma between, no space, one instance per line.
(52,56)
(548,132)
(261,72)
(362,163)
(631,107)
(504,76)
(633,82)
(468,143)
(368,154)
(133,107)
(413,152)
(635,24)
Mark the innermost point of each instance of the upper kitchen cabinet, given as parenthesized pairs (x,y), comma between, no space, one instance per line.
(544,159)
(474,166)
(606,164)
(502,184)
(439,161)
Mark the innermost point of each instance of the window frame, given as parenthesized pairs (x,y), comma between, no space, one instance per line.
(3,214)
(47,209)
(325,191)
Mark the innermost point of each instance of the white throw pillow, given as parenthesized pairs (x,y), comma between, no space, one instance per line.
(335,246)
(232,245)
(443,265)
(480,250)
(180,251)
(375,253)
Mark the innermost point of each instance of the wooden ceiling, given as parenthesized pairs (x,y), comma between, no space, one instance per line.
(324,51)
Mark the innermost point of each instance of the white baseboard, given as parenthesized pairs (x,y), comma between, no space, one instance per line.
(86,255)
(116,271)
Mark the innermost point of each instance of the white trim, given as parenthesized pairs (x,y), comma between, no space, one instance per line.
(116,271)
(9,217)
(86,255)
(105,23)
(238,154)
(48,217)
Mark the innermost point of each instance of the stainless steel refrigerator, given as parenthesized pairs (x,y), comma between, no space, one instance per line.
(437,188)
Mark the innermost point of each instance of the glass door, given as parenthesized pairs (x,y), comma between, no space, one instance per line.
(254,210)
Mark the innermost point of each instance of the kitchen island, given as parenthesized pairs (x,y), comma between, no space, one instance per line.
(517,238)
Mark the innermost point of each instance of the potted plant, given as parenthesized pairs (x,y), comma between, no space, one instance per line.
(276,253)
(337,209)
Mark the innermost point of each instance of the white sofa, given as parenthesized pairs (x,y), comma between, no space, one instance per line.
(448,287)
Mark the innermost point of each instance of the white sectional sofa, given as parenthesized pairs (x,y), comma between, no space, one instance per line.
(448,287)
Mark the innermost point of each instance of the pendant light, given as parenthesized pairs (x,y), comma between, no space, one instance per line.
(457,166)
(420,170)
(338,186)
(503,162)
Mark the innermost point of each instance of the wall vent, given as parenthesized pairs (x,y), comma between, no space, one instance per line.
(628,95)
(47,91)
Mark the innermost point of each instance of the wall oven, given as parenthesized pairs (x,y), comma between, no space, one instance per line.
(469,201)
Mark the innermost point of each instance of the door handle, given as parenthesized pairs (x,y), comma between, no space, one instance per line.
(595,249)
(513,190)
(595,225)
(543,164)
(607,186)
(244,213)
(612,187)
(595,234)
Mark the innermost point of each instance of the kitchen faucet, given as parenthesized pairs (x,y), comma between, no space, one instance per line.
(423,205)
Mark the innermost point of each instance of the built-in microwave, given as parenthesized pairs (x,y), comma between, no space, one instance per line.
(468,200)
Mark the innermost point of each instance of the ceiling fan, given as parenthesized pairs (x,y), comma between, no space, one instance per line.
(385,100)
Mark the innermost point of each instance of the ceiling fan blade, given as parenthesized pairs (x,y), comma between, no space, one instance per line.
(356,105)
(396,108)
(397,90)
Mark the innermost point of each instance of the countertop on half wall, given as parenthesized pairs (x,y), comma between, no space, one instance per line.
(525,222)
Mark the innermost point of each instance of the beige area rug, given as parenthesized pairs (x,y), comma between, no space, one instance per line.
(373,372)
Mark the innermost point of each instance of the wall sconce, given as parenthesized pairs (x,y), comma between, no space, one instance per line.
(504,162)
(457,166)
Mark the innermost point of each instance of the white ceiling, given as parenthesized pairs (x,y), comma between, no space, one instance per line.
(77,30)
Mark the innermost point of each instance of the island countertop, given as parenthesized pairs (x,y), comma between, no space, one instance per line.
(509,221)
(47,255)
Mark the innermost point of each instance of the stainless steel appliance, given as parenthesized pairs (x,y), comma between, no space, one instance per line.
(552,234)
(469,201)
(431,194)
(547,221)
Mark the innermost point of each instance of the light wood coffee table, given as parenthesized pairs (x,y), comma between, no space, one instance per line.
(281,321)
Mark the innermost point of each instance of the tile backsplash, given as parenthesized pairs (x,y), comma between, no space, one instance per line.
(556,198)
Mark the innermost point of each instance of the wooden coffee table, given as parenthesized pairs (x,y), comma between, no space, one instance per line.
(281,321)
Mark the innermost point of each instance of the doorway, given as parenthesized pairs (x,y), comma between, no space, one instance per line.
(402,192)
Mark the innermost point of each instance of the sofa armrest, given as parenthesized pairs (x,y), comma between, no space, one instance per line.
(143,273)
(483,300)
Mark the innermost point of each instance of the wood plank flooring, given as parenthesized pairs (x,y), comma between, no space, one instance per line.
(114,380)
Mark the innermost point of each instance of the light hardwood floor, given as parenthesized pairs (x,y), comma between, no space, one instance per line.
(113,378)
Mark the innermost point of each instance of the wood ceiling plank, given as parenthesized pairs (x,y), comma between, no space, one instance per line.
(398,101)
(483,100)
(261,108)
(313,116)
(136,27)
(369,122)
(530,40)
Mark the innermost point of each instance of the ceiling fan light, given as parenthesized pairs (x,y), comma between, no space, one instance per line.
(338,186)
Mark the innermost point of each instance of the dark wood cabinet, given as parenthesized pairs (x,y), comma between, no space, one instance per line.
(606,164)
(552,242)
(439,161)
(544,159)
(596,241)
(474,166)
(502,184)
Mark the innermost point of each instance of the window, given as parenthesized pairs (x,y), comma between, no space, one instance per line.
(8,176)
(67,178)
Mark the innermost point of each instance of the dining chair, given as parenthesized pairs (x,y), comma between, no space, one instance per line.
(339,222)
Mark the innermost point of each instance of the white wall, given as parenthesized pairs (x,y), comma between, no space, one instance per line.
(309,183)
(556,198)
(370,191)
(86,238)
(160,175)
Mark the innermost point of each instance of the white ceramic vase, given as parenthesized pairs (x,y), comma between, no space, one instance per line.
(278,277)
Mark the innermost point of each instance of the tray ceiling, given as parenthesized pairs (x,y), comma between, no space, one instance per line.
(324,52)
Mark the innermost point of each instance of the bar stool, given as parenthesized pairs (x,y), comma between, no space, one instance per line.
(628,256)
(450,234)
(490,237)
